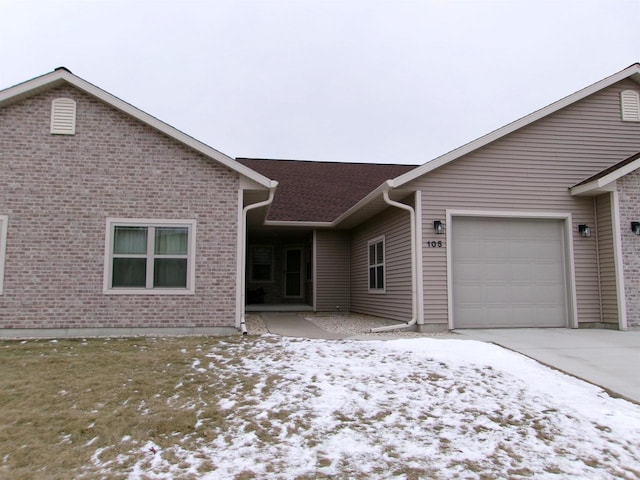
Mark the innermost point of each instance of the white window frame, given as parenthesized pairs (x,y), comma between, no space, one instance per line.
(376,264)
(151,224)
(271,265)
(4,222)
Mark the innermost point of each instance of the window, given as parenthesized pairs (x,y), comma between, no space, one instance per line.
(150,256)
(4,220)
(376,265)
(630,103)
(261,264)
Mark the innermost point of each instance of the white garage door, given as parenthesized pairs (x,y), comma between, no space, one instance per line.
(508,272)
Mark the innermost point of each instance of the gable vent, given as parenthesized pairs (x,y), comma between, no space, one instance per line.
(630,106)
(63,116)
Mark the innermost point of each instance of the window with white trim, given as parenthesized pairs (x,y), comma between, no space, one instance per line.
(4,220)
(376,265)
(150,256)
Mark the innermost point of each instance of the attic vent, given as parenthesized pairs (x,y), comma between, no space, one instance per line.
(630,101)
(63,116)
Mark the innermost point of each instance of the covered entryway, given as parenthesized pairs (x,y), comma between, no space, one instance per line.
(508,272)
(279,269)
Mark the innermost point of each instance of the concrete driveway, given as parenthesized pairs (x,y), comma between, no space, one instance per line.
(608,358)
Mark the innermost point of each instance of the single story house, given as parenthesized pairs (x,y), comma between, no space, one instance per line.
(113,222)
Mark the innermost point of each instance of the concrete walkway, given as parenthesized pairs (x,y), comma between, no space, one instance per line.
(608,358)
(289,324)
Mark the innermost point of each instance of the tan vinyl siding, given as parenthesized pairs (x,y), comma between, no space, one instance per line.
(332,274)
(606,260)
(531,170)
(395,303)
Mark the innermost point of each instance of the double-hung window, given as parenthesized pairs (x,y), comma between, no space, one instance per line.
(376,265)
(4,220)
(150,256)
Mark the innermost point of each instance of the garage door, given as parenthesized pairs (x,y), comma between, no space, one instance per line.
(508,272)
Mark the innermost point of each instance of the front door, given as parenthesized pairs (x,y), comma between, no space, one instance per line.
(293,273)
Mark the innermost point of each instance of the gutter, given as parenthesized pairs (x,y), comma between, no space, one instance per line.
(414,270)
(243,252)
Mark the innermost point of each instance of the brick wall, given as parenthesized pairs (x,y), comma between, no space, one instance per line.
(629,199)
(58,192)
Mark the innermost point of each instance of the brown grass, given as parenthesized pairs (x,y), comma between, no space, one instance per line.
(61,401)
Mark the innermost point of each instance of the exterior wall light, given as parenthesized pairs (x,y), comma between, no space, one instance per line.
(438,226)
(635,227)
(584,230)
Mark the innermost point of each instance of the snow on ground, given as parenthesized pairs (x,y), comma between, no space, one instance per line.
(411,408)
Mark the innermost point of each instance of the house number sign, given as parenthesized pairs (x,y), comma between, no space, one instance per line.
(435,244)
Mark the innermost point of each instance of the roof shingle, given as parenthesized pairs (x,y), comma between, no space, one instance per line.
(320,191)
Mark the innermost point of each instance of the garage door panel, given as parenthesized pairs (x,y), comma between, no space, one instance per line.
(508,272)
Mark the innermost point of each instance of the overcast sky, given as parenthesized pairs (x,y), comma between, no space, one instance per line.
(356,81)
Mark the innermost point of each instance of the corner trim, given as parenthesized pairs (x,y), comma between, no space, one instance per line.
(618,261)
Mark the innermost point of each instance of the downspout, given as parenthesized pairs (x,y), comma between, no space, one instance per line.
(414,296)
(243,253)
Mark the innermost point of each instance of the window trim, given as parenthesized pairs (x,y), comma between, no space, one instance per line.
(4,222)
(252,279)
(375,241)
(145,222)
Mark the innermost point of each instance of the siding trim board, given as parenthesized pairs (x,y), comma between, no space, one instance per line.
(618,261)
(419,265)
(4,220)
(565,217)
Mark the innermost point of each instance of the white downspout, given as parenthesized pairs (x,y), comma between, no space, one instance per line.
(243,253)
(414,296)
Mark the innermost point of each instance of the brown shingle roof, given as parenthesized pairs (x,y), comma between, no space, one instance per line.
(320,191)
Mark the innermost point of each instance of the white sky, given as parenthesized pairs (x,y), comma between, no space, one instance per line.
(367,81)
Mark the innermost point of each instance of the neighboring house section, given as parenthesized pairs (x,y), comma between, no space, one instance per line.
(498,194)
(111,220)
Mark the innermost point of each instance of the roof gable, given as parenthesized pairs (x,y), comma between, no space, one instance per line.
(632,72)
(61,75)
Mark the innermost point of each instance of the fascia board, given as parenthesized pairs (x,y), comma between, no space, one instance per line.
(56,76)
(633,71)
(34,84)
(601,183)
(289,223)
(369,198)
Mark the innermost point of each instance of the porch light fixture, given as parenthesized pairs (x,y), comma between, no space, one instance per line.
(438,226)
(584,230)
(635,227)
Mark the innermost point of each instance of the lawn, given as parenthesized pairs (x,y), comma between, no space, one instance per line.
(271,407)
